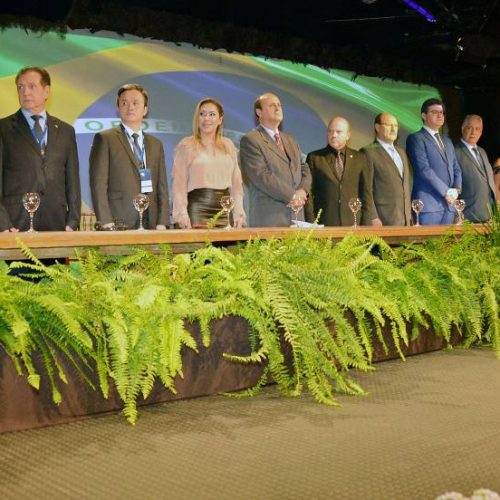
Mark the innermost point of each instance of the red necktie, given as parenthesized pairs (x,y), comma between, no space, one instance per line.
(277,139)
(339,164)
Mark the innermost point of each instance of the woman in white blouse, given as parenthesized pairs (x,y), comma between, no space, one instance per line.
(205,169)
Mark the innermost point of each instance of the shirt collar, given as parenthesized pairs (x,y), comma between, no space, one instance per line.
(28,114)
(129,131)
(270,132)
(432,132)
(470,147)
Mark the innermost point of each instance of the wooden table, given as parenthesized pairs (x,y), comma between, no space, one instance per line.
(60,244)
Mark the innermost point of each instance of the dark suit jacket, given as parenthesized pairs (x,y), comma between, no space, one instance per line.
(56,177)
(115,180)
(332,195)
(391,192)
(433,171)
(478,186)
(272,177)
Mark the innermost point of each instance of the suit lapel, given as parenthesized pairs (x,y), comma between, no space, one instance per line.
(271,144)
(122,138)
(52,133)
(386,156)
(432,140)
(21,127)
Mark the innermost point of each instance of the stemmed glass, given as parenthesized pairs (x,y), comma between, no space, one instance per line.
(227,204)
(355,206)
(417,206)
(459,207)
(141,203)
(31,202)
(296,205)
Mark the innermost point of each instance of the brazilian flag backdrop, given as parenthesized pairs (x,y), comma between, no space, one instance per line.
(87,69)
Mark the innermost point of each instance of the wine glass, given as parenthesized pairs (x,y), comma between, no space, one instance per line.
(417,206)
(227,204)
(141,203)
(31,202)
(296,205)
(355,205)
(459,207)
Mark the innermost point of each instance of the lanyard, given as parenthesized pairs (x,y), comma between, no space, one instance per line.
(42,141)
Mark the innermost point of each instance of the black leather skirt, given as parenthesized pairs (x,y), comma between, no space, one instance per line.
(204,204)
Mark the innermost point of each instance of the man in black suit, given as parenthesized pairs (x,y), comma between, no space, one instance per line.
(478,185)
(338,175)
(125,162)
(38,154)
(389,173)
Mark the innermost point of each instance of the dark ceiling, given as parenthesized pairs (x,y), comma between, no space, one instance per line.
(375,37)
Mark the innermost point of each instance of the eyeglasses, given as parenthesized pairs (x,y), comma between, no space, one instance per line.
(435,112)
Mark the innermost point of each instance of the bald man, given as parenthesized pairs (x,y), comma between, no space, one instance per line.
(389,173)
(271,162)
(339,174)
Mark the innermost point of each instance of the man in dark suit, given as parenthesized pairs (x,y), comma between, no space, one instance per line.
(389,173)
(38,154)
(437,177)
(274,171)
(478,185)
(125,162)
(338,175)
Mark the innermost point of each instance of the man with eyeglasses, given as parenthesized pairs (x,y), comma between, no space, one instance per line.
(437,176)
(389,174)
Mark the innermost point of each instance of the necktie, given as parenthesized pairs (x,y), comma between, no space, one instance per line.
(439,141)
(397,159)
(137,148)
(277,139)
(37,128)
(339,164)
(478,156)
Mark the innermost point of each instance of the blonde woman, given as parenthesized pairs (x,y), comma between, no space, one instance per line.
(205,169)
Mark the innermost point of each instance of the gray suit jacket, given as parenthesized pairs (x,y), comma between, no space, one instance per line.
(391,192)
(272,177)
(56,176)
(115,180)
(332,195)
(478,186)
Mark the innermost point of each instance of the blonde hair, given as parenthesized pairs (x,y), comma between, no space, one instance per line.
(219,143)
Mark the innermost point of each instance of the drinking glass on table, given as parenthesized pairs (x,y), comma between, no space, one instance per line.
(417,206)
(31,202)
(355,205)
(141,203)
(459,207)
(227,204)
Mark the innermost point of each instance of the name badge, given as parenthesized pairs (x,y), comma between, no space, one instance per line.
(146,182)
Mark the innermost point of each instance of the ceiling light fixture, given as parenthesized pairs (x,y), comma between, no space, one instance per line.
(420,10)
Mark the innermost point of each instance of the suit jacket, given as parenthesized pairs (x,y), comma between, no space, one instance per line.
(478,185)
(332,195)
(115,180)
(391,191)
(56,176)
(434,172)
(272,177)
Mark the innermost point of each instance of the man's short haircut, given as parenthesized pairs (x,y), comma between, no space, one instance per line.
(44,74)
(467,118)
(132,86)
(433,101)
